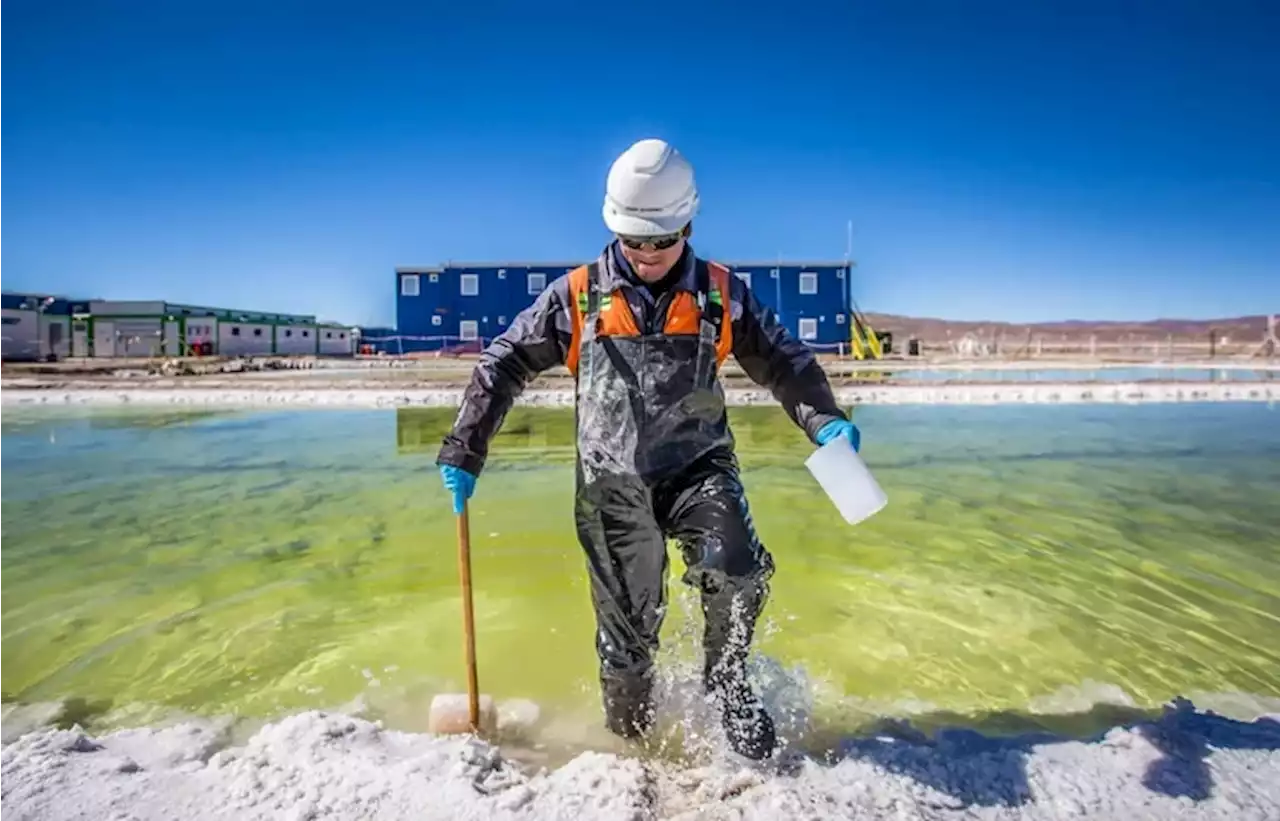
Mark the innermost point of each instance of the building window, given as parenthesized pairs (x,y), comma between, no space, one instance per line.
(808,282)
(235,331)
(328,334)
(808,328)
(745,276)
(409,285)
(288,332)
(537,283)
(257,332)
(470,285)
(435,319)
(306,334)
(342,336)
(468,329)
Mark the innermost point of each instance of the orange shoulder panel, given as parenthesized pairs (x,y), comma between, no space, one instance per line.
(683,316)
(577,293)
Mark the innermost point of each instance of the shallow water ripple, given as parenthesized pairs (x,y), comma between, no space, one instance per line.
(1031,559)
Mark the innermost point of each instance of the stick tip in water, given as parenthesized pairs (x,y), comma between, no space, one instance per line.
(451,714)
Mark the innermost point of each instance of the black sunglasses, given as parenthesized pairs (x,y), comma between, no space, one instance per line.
(659,243)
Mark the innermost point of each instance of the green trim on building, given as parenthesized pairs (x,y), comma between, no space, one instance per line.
(274,321)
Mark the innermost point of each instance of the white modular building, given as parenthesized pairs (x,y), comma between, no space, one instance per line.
(36,327)
(120,328)
(297,338)
(336,340)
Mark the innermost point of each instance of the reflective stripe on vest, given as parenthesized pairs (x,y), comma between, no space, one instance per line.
(616,318)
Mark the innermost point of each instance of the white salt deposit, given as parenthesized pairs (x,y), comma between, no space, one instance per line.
(322,765)
(379,396)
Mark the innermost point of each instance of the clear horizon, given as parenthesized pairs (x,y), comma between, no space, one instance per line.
(999,163)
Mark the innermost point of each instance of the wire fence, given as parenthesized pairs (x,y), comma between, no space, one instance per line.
(969,346)
(1170,347)
(438,346)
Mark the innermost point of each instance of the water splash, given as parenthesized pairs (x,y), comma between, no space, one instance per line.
(688,728)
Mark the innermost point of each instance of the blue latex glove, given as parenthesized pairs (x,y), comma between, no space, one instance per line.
(460,483)
(840,427)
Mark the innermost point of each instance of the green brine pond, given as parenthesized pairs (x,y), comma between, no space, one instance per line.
(1032,562)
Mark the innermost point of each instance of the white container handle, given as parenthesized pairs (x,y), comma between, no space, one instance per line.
(846,480)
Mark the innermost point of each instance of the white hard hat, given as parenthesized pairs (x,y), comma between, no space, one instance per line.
(650,191)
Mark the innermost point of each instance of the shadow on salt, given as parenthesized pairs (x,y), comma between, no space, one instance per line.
(978,759)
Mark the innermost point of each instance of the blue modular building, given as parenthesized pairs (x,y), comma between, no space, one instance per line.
(811,299)
(463,306)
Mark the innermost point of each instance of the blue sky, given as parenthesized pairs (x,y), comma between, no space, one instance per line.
(1072,160)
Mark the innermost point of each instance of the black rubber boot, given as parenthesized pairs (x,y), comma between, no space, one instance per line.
(747,724)
(628,703)
(730,610)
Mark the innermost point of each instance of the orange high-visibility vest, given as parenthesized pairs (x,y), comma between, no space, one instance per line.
(616,318)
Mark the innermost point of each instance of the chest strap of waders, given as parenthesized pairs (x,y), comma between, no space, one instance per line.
(589,298)
(710,300)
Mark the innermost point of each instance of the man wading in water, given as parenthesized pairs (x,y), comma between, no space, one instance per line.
(644,330)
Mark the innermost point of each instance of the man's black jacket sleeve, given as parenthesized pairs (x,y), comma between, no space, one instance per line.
(775,359)
(537,339)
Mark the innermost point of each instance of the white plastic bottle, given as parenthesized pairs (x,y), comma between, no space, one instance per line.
(846,480)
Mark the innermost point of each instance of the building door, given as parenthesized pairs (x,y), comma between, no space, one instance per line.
(104,338)
(79,338)
(172,338)
(55,341)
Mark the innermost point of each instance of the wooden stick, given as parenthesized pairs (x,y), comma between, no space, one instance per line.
(468,617)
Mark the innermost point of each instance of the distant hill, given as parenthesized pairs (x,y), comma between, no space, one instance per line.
(1237,329)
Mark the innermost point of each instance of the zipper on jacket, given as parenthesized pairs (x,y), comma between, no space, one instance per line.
(659,313)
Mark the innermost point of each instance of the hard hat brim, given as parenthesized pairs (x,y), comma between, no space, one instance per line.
(637,227)
(634,225)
